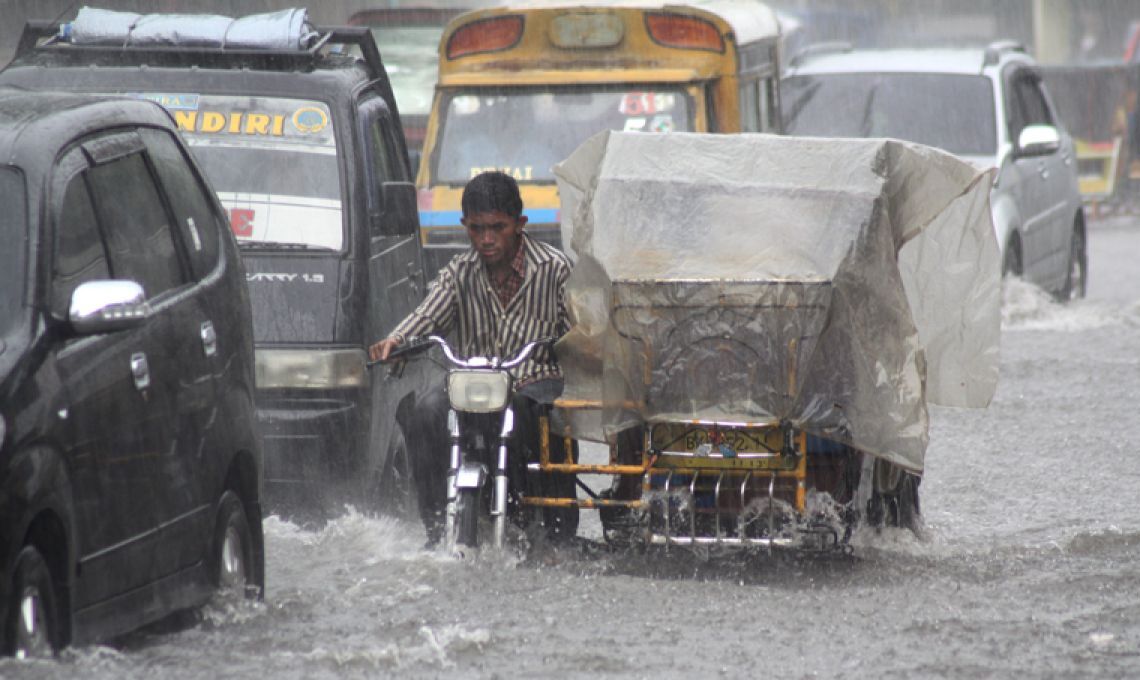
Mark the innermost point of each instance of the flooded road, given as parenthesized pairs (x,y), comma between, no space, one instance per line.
(1028,565)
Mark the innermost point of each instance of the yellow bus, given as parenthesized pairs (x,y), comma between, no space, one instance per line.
(520,87)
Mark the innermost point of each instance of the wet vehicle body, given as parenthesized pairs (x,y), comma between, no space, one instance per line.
(989,106)
(130,472)
(306,153)
(520,87)
(722,313)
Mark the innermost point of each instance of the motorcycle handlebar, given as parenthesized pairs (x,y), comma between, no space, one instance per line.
(418,345)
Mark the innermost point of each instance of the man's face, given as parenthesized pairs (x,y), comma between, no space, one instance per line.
(495,235)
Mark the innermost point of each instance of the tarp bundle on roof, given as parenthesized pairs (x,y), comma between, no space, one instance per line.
(287,29)
(838,285)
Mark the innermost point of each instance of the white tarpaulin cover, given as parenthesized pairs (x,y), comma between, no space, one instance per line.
(838,285)
(288,29)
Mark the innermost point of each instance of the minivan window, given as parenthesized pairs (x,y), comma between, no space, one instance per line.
(192,206)
(948,111)
(482,130)
(139,237)
(271,160)
(79,252)
(13,232)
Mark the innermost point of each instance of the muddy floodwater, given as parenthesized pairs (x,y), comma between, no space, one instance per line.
(1029,565)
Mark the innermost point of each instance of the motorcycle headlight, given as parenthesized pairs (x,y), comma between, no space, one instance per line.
(476,391)
(313,369)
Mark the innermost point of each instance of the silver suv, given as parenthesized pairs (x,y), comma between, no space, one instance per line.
(988,106)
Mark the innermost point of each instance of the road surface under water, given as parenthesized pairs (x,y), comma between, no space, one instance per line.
(1028,565)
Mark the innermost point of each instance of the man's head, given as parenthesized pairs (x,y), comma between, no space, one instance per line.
(492,213)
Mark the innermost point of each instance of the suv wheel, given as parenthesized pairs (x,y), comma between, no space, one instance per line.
(33,617)
(1011,264)
(1076,281)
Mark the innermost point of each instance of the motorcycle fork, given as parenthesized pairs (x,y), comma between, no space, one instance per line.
(499,499)
(452,472)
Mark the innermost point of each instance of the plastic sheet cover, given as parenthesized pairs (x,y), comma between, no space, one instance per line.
(836,285)
(287,29)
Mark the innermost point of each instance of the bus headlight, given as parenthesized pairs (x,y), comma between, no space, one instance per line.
(475,391)
(311,369)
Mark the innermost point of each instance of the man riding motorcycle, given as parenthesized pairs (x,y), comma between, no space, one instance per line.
(505,291)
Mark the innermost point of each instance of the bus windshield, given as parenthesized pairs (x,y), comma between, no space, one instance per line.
(525,132)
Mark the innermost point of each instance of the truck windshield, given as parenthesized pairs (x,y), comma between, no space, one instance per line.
(14,235)
(273,163)
(951,112)
(524,133)
(411,58)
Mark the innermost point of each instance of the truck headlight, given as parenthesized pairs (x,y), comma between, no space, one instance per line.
(476,391)
(311,369)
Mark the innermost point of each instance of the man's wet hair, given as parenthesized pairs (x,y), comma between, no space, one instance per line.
(491,191)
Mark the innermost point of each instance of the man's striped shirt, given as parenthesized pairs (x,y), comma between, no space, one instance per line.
(463,299)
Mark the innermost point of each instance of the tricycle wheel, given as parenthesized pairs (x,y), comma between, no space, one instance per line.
(907,511)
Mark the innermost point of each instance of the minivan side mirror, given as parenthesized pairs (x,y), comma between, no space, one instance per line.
(106,306)
(400,214)
(1038,140)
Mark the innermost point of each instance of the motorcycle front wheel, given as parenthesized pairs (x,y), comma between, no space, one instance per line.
(467,507)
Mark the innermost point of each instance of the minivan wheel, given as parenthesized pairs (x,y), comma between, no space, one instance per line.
(395,492)
(33,616)
(232,566)
(1076,281)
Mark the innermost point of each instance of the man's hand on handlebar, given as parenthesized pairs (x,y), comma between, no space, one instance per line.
(381,350)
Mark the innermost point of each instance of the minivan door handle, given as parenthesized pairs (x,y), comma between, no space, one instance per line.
(209,338)
(140,371)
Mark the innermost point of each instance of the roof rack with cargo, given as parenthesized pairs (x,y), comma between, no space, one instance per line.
(300,45)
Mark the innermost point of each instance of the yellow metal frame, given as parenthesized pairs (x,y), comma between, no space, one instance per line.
(649,466)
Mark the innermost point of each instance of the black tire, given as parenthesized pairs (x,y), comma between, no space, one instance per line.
(467,508)
(908,511)
(1011,264)
(1076,279)
(232,561)
(395,492)
(33,626)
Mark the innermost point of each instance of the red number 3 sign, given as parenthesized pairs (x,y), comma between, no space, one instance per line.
(241,221)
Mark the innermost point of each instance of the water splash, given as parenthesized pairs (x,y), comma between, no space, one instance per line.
(1025,307)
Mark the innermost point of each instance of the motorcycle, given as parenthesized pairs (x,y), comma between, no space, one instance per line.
(487,475)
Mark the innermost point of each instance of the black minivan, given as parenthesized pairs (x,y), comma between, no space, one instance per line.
(129,466)
(305,150)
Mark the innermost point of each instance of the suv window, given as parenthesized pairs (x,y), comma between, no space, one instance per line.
(193,209)
(80,254)
(1029,105)
(949,111)
(139,238)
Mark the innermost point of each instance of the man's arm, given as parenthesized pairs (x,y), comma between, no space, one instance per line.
(436,314)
